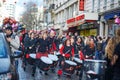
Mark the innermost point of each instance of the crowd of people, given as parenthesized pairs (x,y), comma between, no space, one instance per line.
(70,46)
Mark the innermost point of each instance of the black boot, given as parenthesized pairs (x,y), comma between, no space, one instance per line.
(46,73)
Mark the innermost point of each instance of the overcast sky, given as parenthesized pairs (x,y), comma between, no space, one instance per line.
(20,5)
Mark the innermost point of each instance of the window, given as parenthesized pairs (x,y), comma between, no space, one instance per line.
(105,2)
(112,1)
(93,5)
(98,4)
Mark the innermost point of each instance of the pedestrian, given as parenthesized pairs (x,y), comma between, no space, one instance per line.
(32,49)
(109,50)
(43,46)
(12,39)
(75,35)
(52,42)
(14,43)
(67,50)
(89,49)
(99,47)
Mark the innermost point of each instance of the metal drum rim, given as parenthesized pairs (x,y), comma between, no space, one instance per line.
(95,60)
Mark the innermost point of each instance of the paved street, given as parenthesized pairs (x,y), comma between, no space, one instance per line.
(26,75)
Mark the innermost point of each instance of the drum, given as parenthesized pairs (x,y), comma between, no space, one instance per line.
(44,63)
(31,60)
(79,63)
(54,58)
(57,54)
(69,67)
(95,68)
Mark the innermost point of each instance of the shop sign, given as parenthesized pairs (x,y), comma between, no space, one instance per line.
(78,18)
(70,20)
(81,5)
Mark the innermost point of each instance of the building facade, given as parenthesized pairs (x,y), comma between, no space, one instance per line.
(10,9)
(1,17)
(109,10)
(87,17)
(49,15)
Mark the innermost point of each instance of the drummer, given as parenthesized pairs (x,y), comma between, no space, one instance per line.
(67,50)
(43,46)
(78,48)
(78,53)
(52,42)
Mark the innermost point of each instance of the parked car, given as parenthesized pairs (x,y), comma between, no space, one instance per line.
(7,68)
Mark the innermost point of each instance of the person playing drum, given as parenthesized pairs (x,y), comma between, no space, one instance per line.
(52,42)
(43,46)
(67,51)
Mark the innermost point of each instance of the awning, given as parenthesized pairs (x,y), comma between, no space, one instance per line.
(57,26)
(81,19)
(112,14)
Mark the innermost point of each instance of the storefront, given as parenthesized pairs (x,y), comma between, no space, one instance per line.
(71,25)
(110,22)
(88,29)
(87,24)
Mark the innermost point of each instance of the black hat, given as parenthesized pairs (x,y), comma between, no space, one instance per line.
(9,28)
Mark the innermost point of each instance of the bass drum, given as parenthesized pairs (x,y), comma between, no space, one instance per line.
(31,60)
(45,63)
(57,54)
(95,68)
(54,58)
(79,63)
(69,67)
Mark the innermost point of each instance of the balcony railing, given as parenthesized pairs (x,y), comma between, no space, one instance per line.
(112,5)
(119,2)
(104,7)
(98,10)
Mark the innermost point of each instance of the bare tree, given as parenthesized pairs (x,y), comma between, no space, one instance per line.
(29,15)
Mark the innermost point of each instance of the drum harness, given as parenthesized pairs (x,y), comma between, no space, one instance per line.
(66,53)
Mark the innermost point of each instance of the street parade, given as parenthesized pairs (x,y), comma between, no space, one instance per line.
(28,52)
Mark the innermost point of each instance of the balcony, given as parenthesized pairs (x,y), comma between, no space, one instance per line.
(104,7)
(112,5)
(119,2)
(98,10)
(52,6)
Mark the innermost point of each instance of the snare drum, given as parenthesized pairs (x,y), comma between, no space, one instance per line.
(69,67)
(45,63)
(31,60)
(79,63)
(54,58)
(95,66)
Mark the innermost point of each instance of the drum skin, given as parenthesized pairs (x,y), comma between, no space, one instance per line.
(31,60)
(68,67)
(54,58)
(96,66)
(43,65)
(79,63)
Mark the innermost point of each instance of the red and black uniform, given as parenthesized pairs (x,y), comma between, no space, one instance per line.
(67,51)
(43,48)
(52,45)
